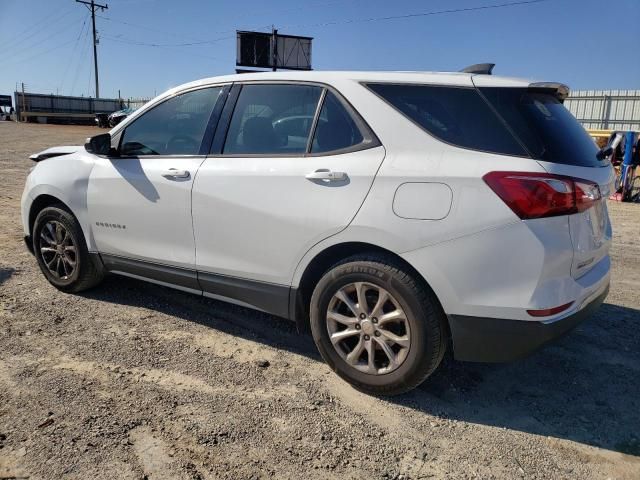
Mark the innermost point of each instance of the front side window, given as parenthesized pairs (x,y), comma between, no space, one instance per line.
(272,119)
(456,115)
(175,127)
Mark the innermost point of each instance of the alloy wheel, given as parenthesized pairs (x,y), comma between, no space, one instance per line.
(58,250)
(368,328)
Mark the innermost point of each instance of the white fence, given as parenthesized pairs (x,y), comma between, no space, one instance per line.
(606,109)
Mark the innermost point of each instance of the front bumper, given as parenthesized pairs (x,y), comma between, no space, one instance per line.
(478,339)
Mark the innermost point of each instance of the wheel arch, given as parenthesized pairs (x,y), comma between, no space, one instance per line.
(41,202)
(300,298)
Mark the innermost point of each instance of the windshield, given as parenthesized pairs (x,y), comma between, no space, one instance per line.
(545,127)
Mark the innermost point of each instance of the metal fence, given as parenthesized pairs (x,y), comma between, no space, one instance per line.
(59,108)
(135,103)
(606,109)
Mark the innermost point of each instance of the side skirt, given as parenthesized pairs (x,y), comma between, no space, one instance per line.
(267,297)
(180,277)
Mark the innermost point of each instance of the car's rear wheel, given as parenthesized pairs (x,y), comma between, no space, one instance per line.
(61,251)
(376,325)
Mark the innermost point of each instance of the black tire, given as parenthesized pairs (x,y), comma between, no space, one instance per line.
(87,272)
(423,313)
(634,195)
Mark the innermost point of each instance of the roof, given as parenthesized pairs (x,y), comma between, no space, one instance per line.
(444,78)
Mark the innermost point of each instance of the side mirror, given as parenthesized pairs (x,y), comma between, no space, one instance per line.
(100,145)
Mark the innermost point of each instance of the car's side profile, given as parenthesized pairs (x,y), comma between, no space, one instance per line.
(394,213)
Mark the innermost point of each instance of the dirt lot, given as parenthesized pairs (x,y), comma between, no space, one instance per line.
(132,380)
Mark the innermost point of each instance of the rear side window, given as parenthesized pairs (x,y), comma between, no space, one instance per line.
(272,119)
(336,128)
(544,125)
(456,115)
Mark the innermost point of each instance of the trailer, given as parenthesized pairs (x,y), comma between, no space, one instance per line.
(42,108)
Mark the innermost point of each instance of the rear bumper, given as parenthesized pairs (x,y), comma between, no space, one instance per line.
(477,339)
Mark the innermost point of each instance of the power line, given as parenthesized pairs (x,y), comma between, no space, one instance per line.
(43,53)
(20,38)
(13,53)
(147,44)
(135,43)
(85,49)
(420,14)
(144,27)
(73,52)
(196,41)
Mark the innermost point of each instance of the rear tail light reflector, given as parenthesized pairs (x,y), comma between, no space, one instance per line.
(547,312)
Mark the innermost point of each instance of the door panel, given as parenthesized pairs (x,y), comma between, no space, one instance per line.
(140,210)
(255,217)
(140,201)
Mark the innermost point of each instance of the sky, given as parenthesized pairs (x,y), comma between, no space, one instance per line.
(147,46)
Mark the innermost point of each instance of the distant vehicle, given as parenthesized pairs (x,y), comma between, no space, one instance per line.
(116,117)
(396,214)
(102,120)
(106,120)
(6,107)
(5,113)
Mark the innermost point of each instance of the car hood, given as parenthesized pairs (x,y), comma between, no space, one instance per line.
(55,152)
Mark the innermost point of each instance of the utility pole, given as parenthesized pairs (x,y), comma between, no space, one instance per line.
(92,5)
(24,106)
(274,39)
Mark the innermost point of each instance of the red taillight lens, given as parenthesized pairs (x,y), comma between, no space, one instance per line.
(587,194)
(546,312)
(538,195)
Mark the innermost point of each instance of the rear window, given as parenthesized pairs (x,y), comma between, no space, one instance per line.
(508,121)
(456,115)
(544,125)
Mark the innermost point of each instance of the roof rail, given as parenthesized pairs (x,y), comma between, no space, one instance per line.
(479,68)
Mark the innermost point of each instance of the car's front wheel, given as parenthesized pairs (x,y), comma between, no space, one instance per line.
(377,325)
(61,251)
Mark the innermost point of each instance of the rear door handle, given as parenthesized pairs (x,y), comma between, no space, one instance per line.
(326,174)
(173,173)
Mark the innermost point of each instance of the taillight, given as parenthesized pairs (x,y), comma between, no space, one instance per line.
(538,195)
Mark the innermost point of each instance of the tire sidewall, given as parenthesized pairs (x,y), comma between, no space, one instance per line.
(69,222)
(374,273)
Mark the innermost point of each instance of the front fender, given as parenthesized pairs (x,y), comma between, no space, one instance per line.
(65,178)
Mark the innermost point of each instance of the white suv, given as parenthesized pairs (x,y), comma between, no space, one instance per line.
(394,213)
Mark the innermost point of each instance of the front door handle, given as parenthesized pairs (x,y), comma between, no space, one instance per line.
(174,173)
(326,174)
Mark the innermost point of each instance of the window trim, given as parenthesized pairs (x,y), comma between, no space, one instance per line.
(366,84)
(314,122)
(207,138)
(366,131)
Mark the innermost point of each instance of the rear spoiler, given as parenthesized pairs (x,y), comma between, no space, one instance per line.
(560,90)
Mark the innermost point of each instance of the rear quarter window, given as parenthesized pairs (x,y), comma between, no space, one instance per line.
(456,115)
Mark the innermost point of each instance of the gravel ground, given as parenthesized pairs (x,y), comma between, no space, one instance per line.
(132,380)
